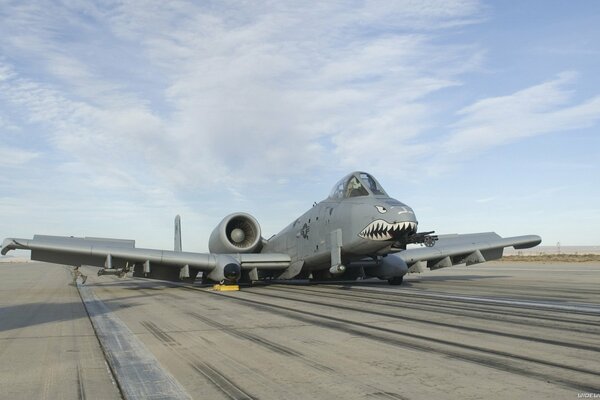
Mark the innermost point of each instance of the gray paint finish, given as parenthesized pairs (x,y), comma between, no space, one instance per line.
(358,231)
(137,371)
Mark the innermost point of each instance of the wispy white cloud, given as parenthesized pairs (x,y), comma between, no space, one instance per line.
(251,91)
(168,105)
(10,156)
(536,110)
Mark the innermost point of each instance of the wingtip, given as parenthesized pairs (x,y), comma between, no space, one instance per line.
(7,245)
(528,241)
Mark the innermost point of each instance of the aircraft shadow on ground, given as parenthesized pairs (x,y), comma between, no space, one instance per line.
(25,315)
(131,283)
(380,283)
(466,278)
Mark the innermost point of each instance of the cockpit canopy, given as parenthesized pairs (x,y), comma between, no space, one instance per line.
(357,184)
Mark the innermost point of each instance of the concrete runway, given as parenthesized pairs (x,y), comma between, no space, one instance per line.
(496,330)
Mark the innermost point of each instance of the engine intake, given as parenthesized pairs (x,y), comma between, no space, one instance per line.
(228,269)
(236,233)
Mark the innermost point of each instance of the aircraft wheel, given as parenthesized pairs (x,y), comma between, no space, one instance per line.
(397,280)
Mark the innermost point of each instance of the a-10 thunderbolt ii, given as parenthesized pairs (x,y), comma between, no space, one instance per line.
(357,232)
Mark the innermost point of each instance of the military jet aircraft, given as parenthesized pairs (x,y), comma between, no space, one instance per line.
(357,232)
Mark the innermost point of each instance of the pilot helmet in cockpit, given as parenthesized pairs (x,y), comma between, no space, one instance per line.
(355,188)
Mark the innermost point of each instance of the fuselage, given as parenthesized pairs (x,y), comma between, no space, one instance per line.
(369,220)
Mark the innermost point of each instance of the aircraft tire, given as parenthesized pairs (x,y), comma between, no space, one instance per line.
(397,280)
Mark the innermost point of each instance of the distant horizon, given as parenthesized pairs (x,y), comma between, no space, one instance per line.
(563,249)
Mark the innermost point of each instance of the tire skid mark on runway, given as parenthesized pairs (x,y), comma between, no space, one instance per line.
(486,359)
(213,375)
(435,307)
(522,290)
(491,303)
(369,389)
(419,298)
(592,309)
(159,333)
(219,380)
(413,335)
(531,289)
(387,395)
(443,324)
(80,387)
(275,347)
(480,314)
(247,336)
(223,383)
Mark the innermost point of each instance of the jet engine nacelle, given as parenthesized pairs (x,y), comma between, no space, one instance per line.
(237,233)
(388,267)
(228,269)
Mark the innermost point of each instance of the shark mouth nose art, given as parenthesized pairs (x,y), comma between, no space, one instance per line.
(382,230)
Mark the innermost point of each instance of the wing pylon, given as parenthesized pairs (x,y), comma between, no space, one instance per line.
(117,253)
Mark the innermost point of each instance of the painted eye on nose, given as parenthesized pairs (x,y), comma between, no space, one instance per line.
(381,209)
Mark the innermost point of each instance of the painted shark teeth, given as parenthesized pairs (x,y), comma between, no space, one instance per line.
(382,230)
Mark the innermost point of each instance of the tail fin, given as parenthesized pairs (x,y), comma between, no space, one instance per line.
(177,233)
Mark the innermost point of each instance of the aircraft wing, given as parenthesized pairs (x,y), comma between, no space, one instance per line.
(467,249)
(116,253)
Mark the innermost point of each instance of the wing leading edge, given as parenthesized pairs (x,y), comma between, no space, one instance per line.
(467,249)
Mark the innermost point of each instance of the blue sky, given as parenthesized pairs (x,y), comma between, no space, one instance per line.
(115,116)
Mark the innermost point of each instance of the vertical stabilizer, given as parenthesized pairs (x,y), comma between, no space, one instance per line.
(177,233)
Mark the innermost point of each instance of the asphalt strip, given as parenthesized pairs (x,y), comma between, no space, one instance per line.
(137,371)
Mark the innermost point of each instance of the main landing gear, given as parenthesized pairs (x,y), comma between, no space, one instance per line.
(397,280)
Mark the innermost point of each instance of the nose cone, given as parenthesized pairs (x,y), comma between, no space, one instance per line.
(391,222)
